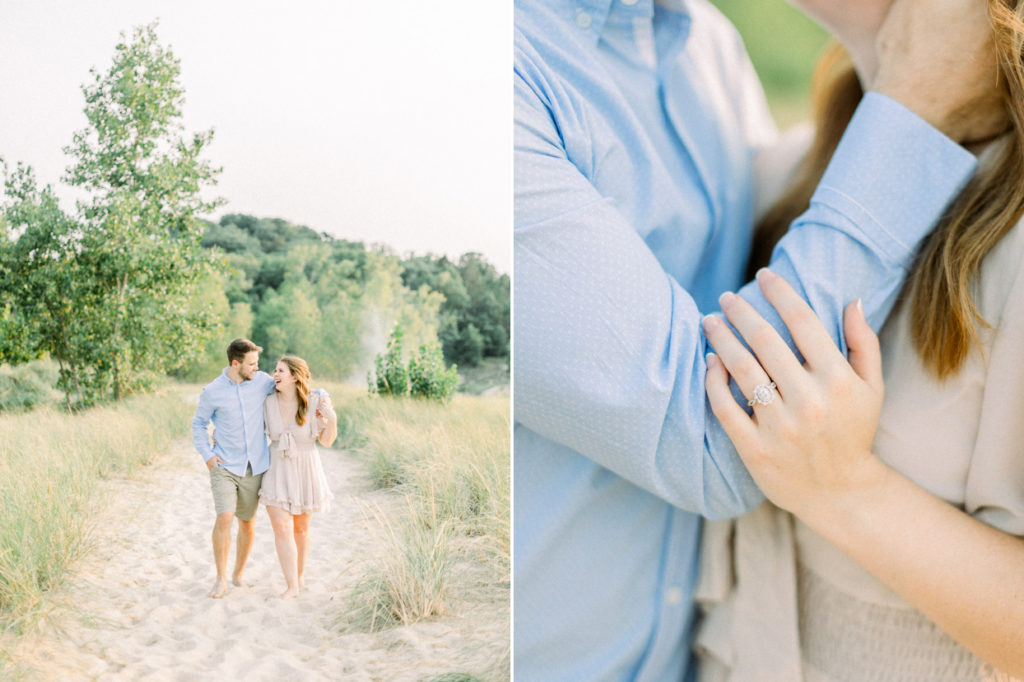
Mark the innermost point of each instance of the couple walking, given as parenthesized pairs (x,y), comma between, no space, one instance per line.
(264,450)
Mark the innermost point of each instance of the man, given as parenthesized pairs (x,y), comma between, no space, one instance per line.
(636,127)
(239,457)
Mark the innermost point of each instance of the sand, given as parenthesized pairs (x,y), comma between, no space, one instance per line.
(137,607)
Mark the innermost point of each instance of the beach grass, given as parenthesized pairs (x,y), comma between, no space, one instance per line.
(50,465)
(409,580)
(451,466)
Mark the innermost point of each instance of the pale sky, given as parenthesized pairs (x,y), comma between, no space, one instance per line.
(385,122)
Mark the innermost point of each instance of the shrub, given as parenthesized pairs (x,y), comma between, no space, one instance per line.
(27,386)
(427,376)
(392,376)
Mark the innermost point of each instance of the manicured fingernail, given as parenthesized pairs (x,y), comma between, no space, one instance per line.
(766,276)
(710,323)
(726,299)
(711,359)
(860,306)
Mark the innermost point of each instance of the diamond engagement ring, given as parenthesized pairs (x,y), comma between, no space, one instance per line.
(763,394)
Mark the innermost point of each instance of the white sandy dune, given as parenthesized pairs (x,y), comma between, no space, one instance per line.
(137,606)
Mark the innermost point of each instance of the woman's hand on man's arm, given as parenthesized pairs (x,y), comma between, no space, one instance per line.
(813,440)
(809,450)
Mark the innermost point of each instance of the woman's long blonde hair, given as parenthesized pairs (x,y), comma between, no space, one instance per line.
(944,318)
(300,370)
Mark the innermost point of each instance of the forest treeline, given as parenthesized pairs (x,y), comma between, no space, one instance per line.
(334,301)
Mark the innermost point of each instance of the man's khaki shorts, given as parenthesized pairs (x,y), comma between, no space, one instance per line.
(234,493)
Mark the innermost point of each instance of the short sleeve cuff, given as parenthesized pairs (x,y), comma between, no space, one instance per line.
(893,175)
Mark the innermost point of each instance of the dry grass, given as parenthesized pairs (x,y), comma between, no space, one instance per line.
(50,464)
(409,581)
(451,464)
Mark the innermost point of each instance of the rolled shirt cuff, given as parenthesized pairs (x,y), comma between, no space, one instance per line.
(893,175)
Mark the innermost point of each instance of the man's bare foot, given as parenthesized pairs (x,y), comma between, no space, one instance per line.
(220,588)
(290,593)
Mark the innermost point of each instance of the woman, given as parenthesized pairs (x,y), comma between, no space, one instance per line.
(295,485)
(902,558)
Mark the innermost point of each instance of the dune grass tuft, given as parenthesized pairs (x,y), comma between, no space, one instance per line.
(451,464)
(408,582)
(50,464)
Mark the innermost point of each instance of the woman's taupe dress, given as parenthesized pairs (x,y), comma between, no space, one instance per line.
(295,481)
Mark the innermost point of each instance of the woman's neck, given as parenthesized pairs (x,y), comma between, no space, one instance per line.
(865,63)
(288,395)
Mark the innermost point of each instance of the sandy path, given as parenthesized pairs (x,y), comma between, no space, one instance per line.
(138,607)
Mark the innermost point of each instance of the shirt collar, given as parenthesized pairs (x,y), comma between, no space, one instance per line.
(592,15)
(227,379)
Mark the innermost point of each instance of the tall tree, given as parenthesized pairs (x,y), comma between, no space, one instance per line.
(112,292)
(140,231)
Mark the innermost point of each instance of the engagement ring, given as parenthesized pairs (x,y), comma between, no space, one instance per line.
(763,394)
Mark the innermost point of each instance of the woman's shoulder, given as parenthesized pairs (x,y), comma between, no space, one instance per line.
(1001,278)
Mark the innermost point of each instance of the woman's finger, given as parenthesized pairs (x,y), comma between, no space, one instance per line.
(865,355)
(739,362)
(809,334)
(736,422)
(774,355)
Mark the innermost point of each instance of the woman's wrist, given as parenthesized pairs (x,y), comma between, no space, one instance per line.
(840,512)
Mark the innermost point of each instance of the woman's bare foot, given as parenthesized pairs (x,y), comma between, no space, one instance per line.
(290,593)
(302,582)
(236,580)
(220,588)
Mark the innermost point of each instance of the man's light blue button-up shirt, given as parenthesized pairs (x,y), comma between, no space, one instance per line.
(236,411)
(636,125)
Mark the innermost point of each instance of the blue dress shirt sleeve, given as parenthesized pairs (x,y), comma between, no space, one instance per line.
(266,381)
(200,437)
(609,352)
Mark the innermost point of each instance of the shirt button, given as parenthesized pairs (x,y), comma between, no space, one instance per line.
(583,20)
(674,596)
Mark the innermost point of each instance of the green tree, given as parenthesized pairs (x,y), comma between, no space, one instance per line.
(41,289)
(475,294)
(233,320)
(469,345)
(139,245)
(113,293)
(489,305)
